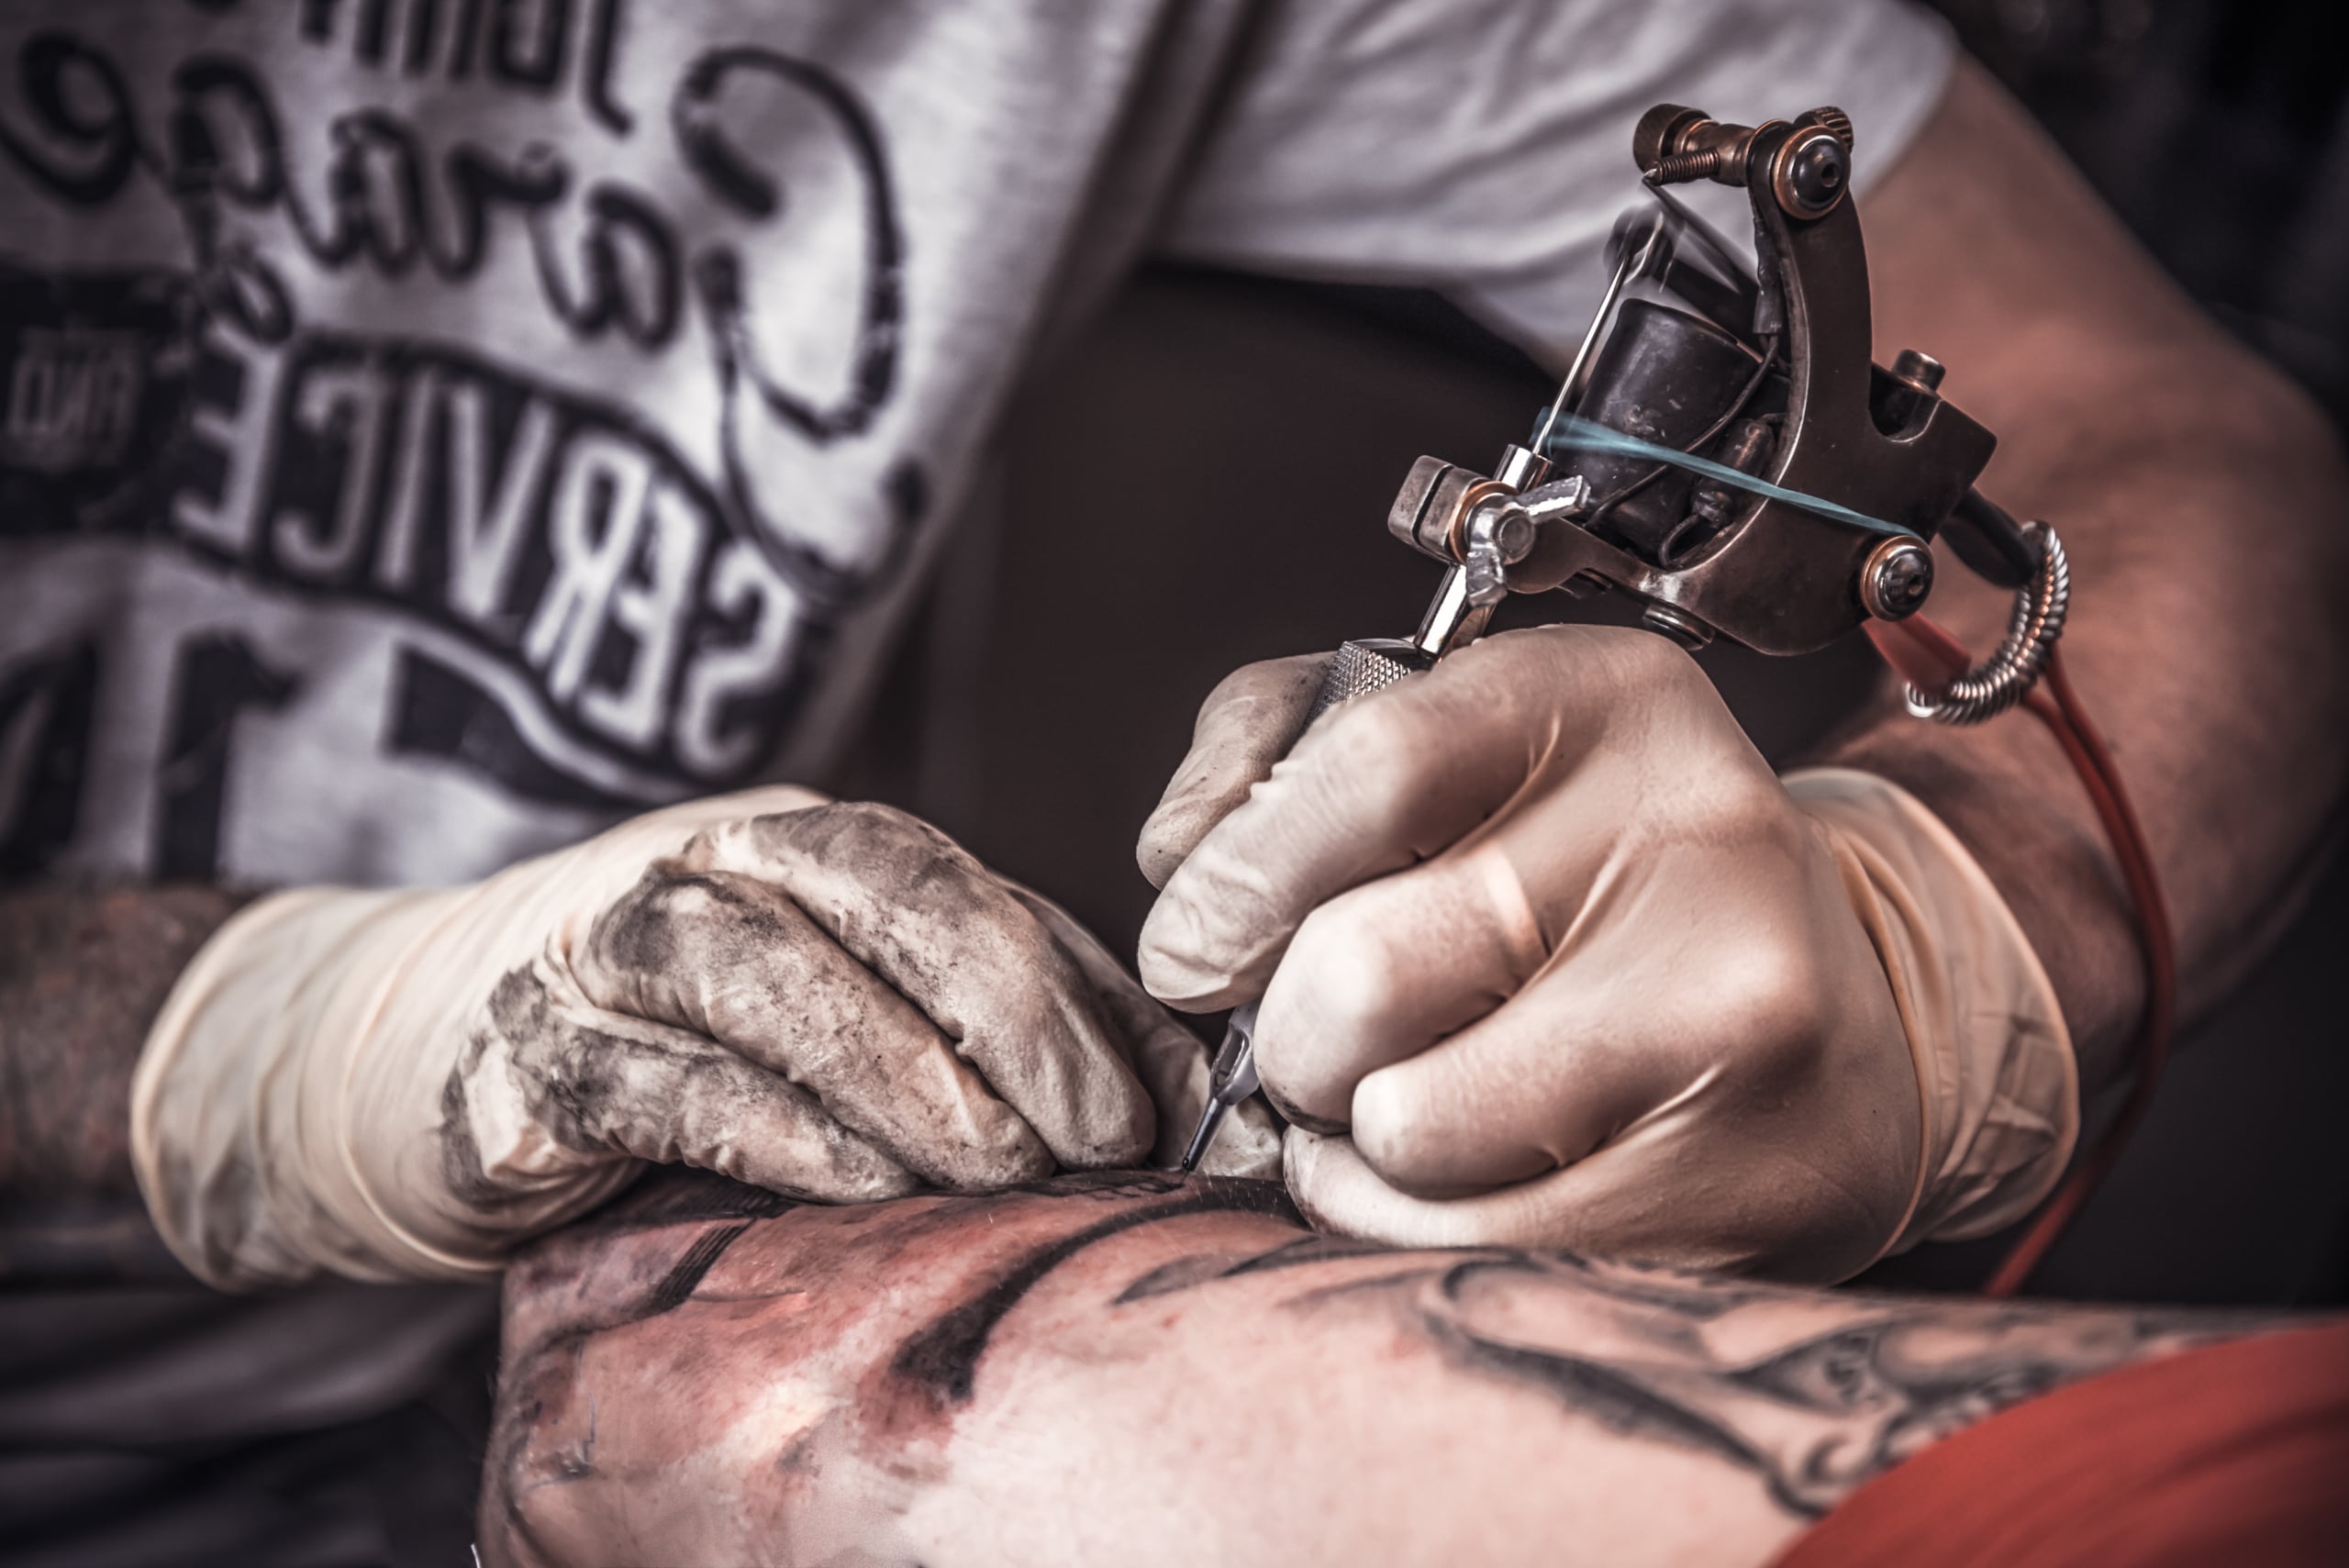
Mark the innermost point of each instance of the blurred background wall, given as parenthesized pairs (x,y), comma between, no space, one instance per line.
(1201,479)
(2215,128)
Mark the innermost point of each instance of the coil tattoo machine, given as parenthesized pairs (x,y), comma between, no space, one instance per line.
(1724,452)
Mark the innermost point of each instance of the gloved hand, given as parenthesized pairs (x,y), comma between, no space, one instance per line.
(832,1000)
(1549,957)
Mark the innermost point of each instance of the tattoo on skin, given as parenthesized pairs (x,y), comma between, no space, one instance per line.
(1811,1394)
(934,1369)
(83,974)
(944,1359)
(1812,1420)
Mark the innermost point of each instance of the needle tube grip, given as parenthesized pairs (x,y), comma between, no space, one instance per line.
(1364,665)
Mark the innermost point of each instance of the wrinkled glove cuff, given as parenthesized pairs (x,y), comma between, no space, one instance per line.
(1996,1079)
(239,1127)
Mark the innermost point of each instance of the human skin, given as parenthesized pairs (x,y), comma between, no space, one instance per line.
(83,973)
(1138,1368)
(2155,443)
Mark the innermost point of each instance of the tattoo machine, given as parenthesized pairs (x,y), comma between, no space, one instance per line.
(1724,452)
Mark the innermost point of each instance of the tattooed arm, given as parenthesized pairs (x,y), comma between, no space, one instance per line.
(710,1375)
(82,976)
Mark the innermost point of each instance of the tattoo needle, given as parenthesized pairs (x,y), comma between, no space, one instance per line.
(1231,1080)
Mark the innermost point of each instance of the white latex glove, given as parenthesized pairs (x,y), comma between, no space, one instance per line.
(1542,938)
(832,1000)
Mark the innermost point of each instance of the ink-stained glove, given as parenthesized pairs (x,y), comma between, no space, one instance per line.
(829,1000)
(1549,957)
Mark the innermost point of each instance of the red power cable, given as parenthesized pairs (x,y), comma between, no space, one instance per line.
(1929,658)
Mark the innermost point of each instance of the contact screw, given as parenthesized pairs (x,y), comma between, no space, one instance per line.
(1828,117)
(1683,168)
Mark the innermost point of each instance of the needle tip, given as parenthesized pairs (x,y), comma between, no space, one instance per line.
(1208,1119)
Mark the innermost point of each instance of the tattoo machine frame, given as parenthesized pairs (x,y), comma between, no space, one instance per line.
(1734,462)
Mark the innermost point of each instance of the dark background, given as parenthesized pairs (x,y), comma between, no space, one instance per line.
(1202,478)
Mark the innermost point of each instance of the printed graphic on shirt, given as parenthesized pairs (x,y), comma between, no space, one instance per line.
(507,368)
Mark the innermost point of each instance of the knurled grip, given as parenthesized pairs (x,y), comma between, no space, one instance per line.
(1364,665)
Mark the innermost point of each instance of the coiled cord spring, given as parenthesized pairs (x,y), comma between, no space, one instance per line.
(2006,677)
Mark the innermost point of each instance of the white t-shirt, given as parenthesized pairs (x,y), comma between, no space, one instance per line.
(430,429)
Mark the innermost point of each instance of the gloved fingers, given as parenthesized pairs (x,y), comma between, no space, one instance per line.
(1171,1060)
(1391,778)
(1382,972)
(677,824)
(619,854)
(914,907)
(1557,1074)
(1673,994)
(1248,723)
(553,1068)
(734,959)
(1655,1199)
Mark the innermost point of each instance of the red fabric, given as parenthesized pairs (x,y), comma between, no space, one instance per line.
(2237,1454)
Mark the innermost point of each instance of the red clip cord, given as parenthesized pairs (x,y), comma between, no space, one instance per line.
(1929,658)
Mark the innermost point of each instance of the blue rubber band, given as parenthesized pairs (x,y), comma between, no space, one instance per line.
(1576,433)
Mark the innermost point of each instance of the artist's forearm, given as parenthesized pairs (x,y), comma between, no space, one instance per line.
(2202,502)
(2215,677)
(82,975)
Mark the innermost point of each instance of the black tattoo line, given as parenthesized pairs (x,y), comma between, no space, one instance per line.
(1811,1421)
(1183,1273)
(1614,1397)
(944,1359)
(700,1258)
(1698,1296)
(682,1195)
(1868,1403)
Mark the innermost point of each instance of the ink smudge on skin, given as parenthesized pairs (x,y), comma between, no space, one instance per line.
(798,1456)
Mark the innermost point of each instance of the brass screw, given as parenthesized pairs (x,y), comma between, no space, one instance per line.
(1680,168)
(1830,118)
(1896,579)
